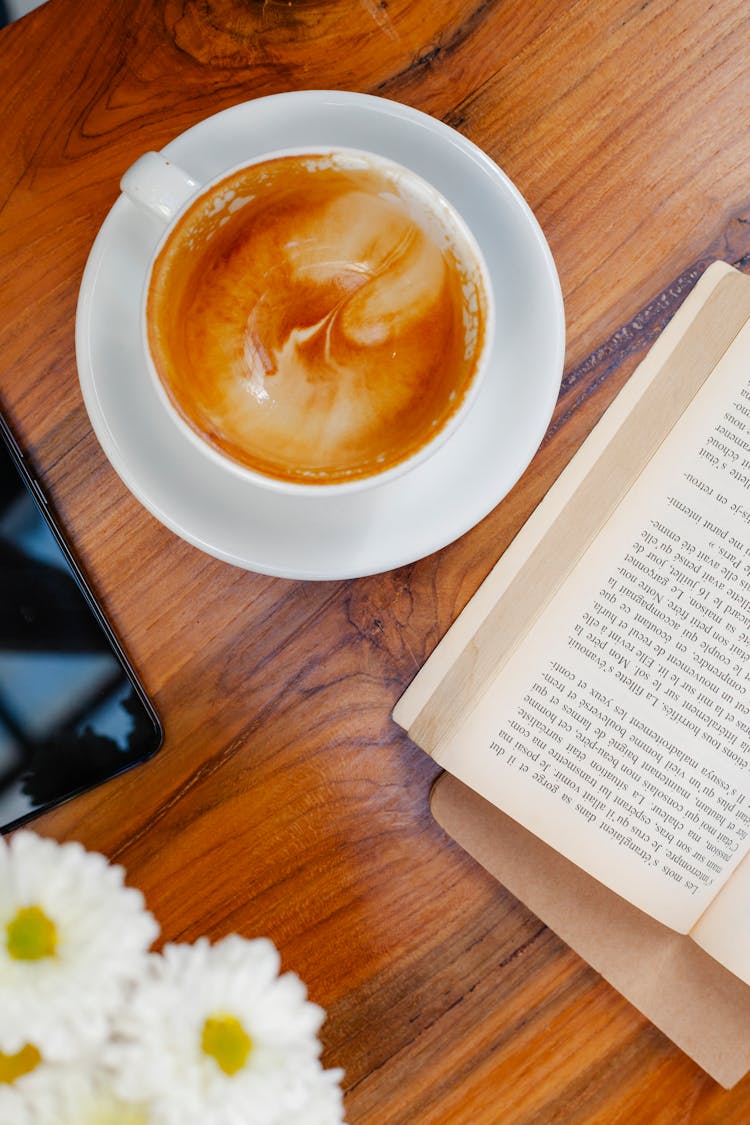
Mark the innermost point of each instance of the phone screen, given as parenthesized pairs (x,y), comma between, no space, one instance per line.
(72,713)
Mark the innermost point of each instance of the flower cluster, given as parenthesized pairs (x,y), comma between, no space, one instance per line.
(96,1030)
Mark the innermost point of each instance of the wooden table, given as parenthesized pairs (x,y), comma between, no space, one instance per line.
(285,801)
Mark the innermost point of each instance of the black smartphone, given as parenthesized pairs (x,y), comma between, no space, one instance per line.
(72,712)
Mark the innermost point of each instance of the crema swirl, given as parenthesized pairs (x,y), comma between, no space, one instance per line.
(312,318)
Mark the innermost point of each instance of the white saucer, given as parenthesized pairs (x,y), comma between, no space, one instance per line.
(397,522)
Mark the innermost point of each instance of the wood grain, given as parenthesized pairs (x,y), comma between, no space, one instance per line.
(285,801)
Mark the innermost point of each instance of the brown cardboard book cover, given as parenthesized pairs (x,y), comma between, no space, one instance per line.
(689,996)
(591,705)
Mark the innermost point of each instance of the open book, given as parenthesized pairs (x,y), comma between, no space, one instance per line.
(597,687)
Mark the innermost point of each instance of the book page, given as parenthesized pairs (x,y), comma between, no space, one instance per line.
(619,729)
(724,930)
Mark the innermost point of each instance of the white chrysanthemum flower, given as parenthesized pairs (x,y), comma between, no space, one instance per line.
(67,1094)
(72,937)
(214,1036)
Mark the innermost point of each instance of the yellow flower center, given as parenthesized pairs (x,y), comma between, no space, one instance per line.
(225,1040)
(15,1066)
(31,935)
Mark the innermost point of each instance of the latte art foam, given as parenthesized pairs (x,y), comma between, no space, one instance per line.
(311,319)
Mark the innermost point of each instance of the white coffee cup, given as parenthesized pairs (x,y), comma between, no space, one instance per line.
(182,204)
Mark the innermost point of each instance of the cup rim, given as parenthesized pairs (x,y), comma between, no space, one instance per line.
(314,488)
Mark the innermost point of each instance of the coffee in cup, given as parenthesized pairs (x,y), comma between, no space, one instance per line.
(318,319)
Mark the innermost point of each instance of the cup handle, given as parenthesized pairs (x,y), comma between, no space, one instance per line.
(157,185)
